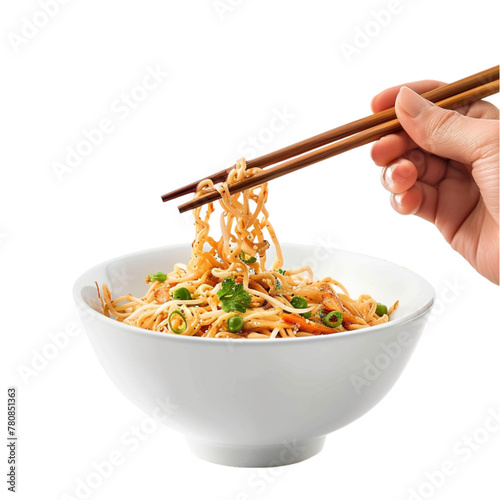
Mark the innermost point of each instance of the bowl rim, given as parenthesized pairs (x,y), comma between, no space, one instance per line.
(82,305)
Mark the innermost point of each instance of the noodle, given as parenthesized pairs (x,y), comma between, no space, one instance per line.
(228,277)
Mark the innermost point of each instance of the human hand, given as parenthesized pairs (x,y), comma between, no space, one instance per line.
(444,167)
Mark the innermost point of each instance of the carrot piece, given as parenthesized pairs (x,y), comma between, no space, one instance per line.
(306,326)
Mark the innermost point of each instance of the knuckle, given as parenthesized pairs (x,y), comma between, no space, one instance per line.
(438,128)
(417,157)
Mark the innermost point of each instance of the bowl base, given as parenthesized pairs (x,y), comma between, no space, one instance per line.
(286,453)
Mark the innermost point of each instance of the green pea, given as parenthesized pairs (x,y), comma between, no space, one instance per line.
(182,294)
(235,323)
(381,309)
(300,303)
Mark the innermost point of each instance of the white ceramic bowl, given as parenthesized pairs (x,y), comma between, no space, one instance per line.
(258,403)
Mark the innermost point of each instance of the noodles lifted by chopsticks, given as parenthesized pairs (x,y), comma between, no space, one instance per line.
(226,291)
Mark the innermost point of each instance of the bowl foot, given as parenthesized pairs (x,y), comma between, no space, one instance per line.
(286,453)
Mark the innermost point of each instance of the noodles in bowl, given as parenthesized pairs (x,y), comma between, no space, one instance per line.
(226,290)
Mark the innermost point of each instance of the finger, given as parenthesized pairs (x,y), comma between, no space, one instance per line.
(390,147)
(441,131)
(481,109)
(460,197)
(400,176)
(421,200)
(430,169)
(387,97)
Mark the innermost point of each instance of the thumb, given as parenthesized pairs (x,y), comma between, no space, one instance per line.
(441,131)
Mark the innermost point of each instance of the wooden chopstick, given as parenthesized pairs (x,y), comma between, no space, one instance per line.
(343,131)
(359,139)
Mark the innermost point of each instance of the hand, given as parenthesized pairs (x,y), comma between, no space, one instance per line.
(444,168)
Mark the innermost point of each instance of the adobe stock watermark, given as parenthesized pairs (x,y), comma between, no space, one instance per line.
(120,281)
(447,294)
(254,144)
(260,480)
(56,343)
(121,109)
(33,24)
(130,441)
(325,246)
(462,451)
(224,7)
(365,33)
(373,368)
(40,358)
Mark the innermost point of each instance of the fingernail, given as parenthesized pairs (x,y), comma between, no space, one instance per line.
(397,198)
(388,175)
(404,171)
(410,102)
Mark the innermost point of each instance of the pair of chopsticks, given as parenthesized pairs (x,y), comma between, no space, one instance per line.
(348,136)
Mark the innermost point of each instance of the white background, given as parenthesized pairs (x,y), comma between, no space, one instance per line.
(229,70)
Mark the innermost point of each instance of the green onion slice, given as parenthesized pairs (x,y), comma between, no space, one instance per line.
(247,258)
(333,319)
(177,321)
(161,277)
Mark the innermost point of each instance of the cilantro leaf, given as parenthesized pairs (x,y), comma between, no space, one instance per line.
(233,296)
(226,288)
